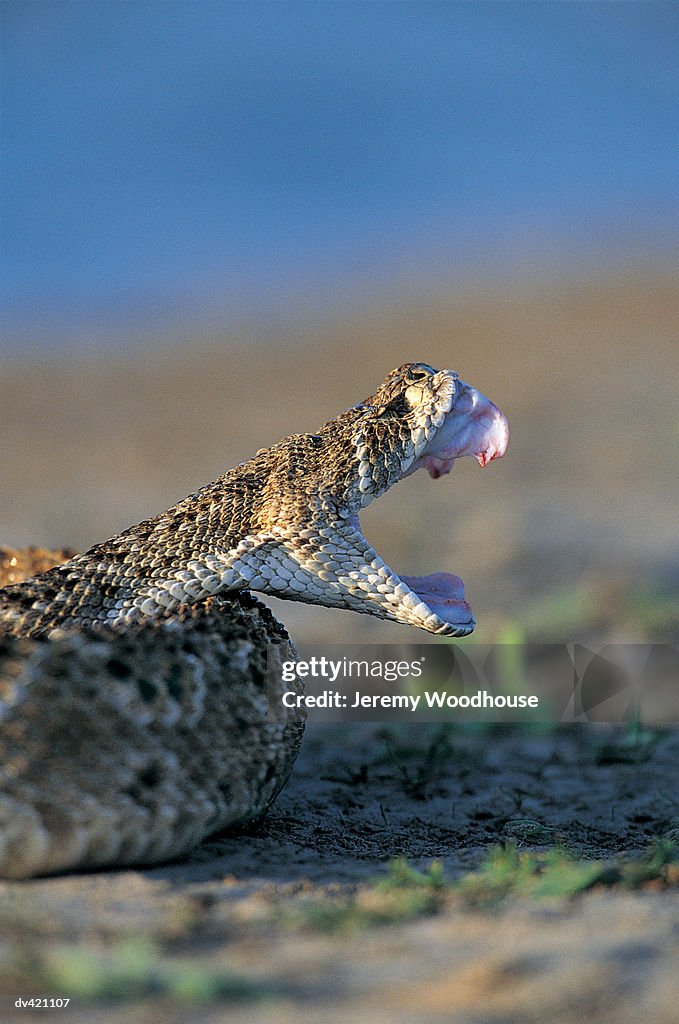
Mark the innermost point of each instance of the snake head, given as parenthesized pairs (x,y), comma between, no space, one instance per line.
(419,418)
(471,424)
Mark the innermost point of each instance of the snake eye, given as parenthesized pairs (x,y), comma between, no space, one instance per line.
(418,371)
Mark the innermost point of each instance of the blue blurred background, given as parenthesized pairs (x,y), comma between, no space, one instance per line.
(227,162)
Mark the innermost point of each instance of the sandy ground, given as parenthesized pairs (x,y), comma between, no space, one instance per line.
(586,498)
(359,796)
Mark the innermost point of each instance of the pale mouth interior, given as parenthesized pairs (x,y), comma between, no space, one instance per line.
(443,593)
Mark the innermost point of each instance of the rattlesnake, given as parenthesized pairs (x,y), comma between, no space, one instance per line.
(134,721)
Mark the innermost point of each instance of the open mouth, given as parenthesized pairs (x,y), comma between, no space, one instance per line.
(335,565)
(475,427)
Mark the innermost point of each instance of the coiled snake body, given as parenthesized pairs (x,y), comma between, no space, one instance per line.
(134,721)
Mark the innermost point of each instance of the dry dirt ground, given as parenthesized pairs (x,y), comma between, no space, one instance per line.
(286,922)
(573,534)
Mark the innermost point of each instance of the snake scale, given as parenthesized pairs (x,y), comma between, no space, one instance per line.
(134,707)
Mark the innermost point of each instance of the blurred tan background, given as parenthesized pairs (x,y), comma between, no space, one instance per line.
(585,370)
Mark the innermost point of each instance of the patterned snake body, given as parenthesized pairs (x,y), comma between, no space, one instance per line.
(134,713)
(285,523)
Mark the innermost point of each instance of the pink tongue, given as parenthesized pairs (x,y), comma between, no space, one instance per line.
(444,594)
